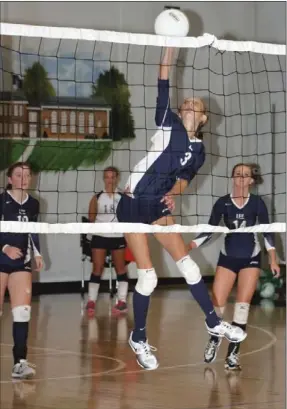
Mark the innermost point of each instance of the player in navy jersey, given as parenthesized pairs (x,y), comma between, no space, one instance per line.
(16,251)
(240,255)
(175,156)
(102,209)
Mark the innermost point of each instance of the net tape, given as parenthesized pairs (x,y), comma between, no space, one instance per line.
(95,228)
(62,33)
(206,39)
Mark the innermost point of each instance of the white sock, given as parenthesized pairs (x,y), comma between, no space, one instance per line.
(123,287)
(93,291)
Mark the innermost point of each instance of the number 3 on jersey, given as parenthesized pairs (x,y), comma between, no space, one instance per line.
(187,156)
(237,225)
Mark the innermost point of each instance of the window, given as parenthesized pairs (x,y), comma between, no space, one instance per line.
(20,129)
(72,122)
(1,128)
(54,119)
(15,109)
(15,129)
(20,110)
(5,110)
(63,122)
(46,123)
(1,109)
(33,130)
(91,123)
(10,129)
(5,128)
(32,116)
(10,109)
(81,122)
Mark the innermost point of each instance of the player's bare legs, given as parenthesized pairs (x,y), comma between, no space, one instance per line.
(174,244)
(3,285)
(222,286)
(118,257)
(98,259)
(246,286)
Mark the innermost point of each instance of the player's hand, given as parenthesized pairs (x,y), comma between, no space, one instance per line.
(39,263)
(13,252)
(168,200)
(275,269)
(192,245)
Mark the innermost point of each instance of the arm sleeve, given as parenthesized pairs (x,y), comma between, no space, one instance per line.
(35,236)
(263,218)
(163,114)
(214,220)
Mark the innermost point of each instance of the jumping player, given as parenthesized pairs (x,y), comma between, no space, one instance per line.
(102,209)
(176,154)
(241,254)
(16,251)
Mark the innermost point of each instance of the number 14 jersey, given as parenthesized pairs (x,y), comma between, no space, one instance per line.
(241,245)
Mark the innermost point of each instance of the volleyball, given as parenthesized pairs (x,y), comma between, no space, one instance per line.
(171,23)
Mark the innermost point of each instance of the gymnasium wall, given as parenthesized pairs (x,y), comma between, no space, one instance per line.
(66,196)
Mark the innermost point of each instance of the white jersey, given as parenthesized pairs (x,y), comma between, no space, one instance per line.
(107,210)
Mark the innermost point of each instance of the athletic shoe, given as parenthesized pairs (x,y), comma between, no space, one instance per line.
(212,349)
(23,370)
(230,332)
(143,351)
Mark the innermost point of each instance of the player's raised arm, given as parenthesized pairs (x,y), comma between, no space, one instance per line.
(166,63)
(163,115)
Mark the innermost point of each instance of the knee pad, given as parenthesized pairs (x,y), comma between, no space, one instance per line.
(147,281)
(241,312)
(21,313)
(189,269)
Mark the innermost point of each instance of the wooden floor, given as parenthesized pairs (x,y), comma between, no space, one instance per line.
(87,364)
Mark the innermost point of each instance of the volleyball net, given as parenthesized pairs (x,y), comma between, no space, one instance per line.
(74,101)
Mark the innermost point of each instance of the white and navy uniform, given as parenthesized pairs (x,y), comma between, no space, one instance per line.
(106,213)
(240,250)
(172,156)
(27,211)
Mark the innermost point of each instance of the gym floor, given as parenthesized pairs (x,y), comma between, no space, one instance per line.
(86,363)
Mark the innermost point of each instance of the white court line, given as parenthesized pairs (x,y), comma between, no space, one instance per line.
(121,364)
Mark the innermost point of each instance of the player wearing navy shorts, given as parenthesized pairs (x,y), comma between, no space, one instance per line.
(102,209)
(16,250)
(241,254)
(174,158)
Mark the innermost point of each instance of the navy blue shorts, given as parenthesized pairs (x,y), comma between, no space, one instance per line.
(108,243)
(140,210)
(236,264)
(15,267)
